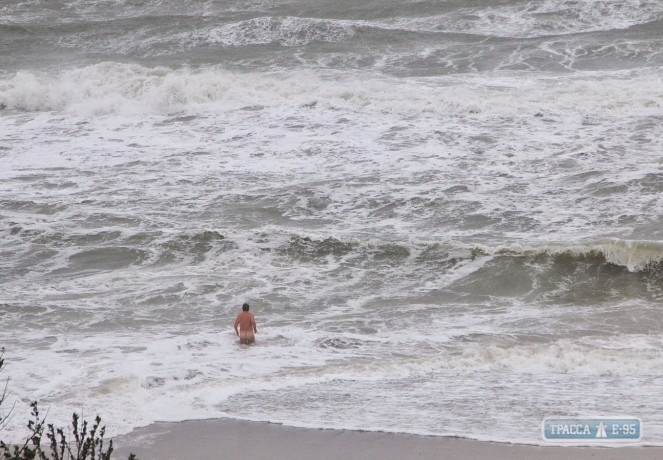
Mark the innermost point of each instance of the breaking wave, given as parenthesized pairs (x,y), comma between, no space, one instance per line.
(538,19)
(111,88)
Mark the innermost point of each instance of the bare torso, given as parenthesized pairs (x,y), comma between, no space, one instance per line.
(246,324)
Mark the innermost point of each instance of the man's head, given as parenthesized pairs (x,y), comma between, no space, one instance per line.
(245,307)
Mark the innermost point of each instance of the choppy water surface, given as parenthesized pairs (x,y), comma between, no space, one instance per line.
(447,216)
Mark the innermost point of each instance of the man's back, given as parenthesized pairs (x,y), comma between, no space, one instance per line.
(245,321)
(246,324)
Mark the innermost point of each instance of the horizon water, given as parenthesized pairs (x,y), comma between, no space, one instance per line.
(447,216)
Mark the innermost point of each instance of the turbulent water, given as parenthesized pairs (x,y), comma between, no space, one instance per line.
(447,216)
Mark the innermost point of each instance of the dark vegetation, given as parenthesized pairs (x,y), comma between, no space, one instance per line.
(87,444)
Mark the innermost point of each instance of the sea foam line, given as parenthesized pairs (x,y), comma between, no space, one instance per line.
(112,88)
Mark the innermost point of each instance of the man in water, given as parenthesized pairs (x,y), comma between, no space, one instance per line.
(247,326)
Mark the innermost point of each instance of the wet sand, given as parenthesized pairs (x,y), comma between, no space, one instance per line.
(220,439)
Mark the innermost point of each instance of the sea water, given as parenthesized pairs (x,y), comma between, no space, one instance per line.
(447,216)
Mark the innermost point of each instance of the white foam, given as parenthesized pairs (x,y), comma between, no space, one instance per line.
(135,379)
(392,161)
(132,89)
(633,255)
(537,19)
(287,31)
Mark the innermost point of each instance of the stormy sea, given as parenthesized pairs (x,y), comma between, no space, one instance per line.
(446,215)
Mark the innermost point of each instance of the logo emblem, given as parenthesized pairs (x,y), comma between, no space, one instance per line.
(595,430)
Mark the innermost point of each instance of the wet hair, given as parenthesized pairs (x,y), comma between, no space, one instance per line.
(245,307)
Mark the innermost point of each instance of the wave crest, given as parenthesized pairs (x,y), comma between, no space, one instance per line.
(113,88)
(540,19)
(286,31)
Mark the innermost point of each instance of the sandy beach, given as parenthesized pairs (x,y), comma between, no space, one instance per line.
(220,439)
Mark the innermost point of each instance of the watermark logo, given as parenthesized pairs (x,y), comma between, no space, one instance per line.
(600,429)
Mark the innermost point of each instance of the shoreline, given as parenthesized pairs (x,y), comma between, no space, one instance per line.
(226,438)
